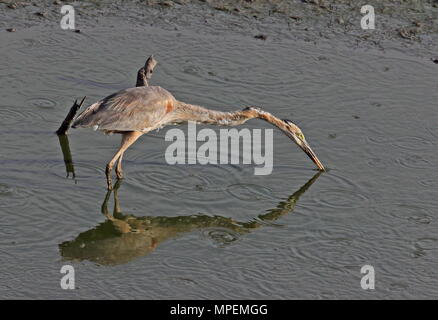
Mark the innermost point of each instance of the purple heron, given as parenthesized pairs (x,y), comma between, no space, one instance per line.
(136,111)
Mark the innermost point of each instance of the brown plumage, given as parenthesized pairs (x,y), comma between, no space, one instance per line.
(133,109)
(136,111)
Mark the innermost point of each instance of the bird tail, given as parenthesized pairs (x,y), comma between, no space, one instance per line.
(85,119)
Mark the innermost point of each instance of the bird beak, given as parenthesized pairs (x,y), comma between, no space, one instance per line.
(306,148)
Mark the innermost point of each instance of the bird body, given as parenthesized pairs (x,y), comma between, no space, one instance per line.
(135,111)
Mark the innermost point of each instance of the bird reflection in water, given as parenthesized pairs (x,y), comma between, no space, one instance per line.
(124,237)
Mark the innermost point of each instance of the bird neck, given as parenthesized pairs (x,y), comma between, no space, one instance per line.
(190,112)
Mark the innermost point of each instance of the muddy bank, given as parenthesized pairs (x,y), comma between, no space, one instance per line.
(406,24)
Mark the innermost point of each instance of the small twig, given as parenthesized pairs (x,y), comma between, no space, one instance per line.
(145,73)
(69,118)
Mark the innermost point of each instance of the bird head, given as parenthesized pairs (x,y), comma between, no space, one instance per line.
(295,133)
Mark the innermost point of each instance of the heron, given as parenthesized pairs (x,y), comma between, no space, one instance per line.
(123,236)
(135,111)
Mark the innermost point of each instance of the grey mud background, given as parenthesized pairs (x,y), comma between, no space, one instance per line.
(365,99)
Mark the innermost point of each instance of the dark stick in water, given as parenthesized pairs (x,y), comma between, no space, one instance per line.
(69,118)
(145,73)
(66,153)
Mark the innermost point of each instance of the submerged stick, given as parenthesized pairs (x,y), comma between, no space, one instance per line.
(145,73)
(68,160)
(69,118)
(63,138)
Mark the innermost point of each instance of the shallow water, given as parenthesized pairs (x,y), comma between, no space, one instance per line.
(219,231)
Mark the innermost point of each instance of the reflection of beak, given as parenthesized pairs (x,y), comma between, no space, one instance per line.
(306,148)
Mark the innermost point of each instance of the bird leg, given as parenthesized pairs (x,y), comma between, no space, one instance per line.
(128,139)
(119,171)
(109,168)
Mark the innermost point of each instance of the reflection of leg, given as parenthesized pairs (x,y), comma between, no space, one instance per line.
(128,139)
(118,219)
(117,212)
(104,208)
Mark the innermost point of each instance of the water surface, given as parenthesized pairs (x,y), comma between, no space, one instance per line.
(219,231)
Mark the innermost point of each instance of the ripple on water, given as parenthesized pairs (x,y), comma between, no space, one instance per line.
(413,161)
(327,254)
(179,283)
(337,236)
(398,286)
(249,192)
(433,130)
(426,244)
(378,139)
(407,143)
(27,45)
(100,74)
(406,212)
(13,196)
(43,103)
(342,193)
(200,71)
(275,265)
(192,70)
(83,170)
(59,44)
(16,115)
(166,178)
(205,70)
(187,264)
(378,163)
(220,237)
(188,182)
(341,198)
(413,143)
(429,183)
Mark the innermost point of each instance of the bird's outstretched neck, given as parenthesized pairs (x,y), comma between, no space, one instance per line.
(190,112)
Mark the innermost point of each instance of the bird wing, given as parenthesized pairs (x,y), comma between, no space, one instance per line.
(134,109)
